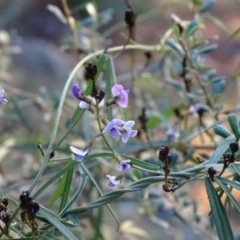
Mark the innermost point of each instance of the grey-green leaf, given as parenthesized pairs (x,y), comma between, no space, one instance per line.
(220,218)
(57,224)
(233,122)
(221,131)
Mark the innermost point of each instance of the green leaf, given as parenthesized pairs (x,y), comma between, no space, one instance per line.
(229,194)
(176,31)
(134,161)
(220,217)
(153,122)
(100,64)
(221,131)
(236,169)
(109,83)
(60,189)
(83,181)
(234,34)
(66,187)
(222,147)
(192,27)
(54,178)
(231,183)
(56,223)
(233,122)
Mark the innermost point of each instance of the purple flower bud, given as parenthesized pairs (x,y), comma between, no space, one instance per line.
(113,181)
(85,105)
(3,101)
(194,110)
(124,164)
(76,91)
(79,155)
(172,135)
(121,95)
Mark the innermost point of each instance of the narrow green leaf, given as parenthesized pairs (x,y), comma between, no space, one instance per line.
(135,161)
(222,147)
(60,188)
(192,27)
(57,224)
(220,217)
(81,186)
(231,183)
(100,192)
(66,188)
(221,131)
(228,192)
(176,31)
(54,178)
(236,168)
(109,79)
(177,49)
(234,34)
(233,122)
(153,122)
(100,64)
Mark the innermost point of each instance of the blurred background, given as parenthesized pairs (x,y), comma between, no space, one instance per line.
(37,56)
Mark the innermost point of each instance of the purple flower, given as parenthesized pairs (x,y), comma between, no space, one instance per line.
(3,101)
(76,90)
(85,105)
(79,154)
(128,132)
(113,181)
(112,127)
(172,135)
(194,110)
(121,95)
(124,164)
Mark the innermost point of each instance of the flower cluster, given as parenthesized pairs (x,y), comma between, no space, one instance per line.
(116,127)
(3,101)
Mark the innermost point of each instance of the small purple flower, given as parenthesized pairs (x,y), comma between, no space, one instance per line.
(79,155)
(121,94)
(128,132)
(172,135)
(112,127)
(124,164)
(3,101)
(113,181)
(194,110)
(76,90)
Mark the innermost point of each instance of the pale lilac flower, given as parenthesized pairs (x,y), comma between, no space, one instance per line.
(112,127)
(172,135)
(113,181)
(85,105)
(124,164)
(3,101)
(121,94)
(194,110)
(79,155)
(76,90)
(128,132)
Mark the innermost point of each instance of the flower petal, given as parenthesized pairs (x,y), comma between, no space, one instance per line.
(128,124)
(75,91)
(115,133)
(123,100)
(116,89)
(113,123)
(113,182)
(134,133)
(125,137)
(83,105)
(79,152)
(101,103)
